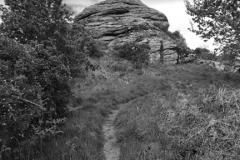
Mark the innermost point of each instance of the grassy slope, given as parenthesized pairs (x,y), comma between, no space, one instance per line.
(83,138)
(177,123)
(144,100)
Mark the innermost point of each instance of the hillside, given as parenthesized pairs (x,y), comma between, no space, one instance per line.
(165,112)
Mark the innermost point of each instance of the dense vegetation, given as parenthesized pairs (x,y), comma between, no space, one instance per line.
(40,53)
(190,112)
(179,40)
(203,53)
(138,54)
(218,19)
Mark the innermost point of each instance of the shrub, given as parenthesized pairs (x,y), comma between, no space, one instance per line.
(33,98)
(39,55)
(91,48)
(138,54)
(204,53)
(84,42)
(35,91)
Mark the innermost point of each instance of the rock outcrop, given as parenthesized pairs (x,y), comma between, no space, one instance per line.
(115,22)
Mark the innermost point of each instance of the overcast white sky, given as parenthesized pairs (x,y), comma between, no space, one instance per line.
(173,9)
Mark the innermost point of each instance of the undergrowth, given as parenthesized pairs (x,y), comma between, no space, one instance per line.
(100,93)
(195,119)
(167,112)
(138,54)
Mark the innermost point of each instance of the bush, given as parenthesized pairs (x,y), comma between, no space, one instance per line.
(33,98)
(39,55)
(204,53)
(83,42)
(138,54)
(35,91)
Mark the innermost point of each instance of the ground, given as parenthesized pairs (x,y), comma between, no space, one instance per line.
(185,111)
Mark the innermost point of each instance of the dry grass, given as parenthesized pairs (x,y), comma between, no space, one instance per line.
(194,120)
(165,114)
(98,95)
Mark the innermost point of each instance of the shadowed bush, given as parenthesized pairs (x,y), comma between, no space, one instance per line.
(138,54)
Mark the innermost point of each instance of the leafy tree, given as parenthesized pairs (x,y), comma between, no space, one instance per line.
(33,20)
(219,19)
(38,58)
(46,24)
(181,46)
(204,54)
(180,40)
(20,95)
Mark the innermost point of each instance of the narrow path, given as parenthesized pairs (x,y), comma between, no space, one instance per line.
(111,150)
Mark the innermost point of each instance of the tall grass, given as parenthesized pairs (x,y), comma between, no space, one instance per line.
(187,122)
(203,127)
(82,137)
(167,112)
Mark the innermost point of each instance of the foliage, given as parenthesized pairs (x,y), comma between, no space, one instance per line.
(84,42)
(34,95)
(39,56)
(189,119)
(204,53)
(229,54)
(134,52)
(34,20)
(45,24)
(218,19)
(180,42)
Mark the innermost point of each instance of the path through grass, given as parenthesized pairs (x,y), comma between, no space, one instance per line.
(158,107)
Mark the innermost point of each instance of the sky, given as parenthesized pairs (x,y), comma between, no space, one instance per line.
(174,10)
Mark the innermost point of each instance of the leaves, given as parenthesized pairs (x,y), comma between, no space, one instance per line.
(40,52)
(219,19)
(34,20)
(36,60)
(134,52)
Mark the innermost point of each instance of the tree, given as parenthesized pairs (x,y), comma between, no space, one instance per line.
(180,40)
(40,52)
(204,53)
(181,46)
(37,55)
(34,20)
(45,24)
(219,19)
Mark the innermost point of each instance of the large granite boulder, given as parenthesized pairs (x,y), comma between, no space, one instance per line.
(115,22)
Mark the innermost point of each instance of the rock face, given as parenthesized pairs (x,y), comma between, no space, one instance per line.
(115,22)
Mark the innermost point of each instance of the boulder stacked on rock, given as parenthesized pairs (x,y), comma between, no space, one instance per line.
(115,22)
